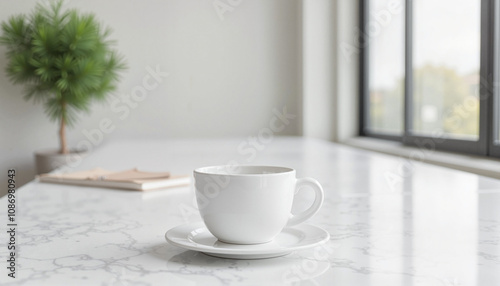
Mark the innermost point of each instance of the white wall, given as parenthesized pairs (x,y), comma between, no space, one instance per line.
(225,74)
(347,71)
(331,75)
(319,33)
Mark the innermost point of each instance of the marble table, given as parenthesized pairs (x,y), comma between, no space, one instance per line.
(391,221)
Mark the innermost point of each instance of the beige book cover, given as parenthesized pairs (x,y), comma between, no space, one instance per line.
(132,179)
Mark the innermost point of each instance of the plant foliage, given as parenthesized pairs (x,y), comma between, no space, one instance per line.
(63,58)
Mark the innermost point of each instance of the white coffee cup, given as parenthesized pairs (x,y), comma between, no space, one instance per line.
(251,204)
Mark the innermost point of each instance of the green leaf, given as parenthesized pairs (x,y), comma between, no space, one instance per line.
(63,57)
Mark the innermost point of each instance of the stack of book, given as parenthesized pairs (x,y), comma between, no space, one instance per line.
(129,179)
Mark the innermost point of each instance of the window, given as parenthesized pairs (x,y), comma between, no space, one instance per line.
(429,73)
(495,142)
(386,69)
(446,55)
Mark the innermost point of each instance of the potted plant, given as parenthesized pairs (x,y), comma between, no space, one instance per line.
(65,61)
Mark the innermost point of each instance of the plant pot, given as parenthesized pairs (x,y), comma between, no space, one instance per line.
(49,160)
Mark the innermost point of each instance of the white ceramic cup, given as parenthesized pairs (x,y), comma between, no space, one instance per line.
(251,204)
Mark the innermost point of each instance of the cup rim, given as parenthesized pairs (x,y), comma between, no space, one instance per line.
(211,170)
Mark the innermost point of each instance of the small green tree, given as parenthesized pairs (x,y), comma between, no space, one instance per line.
(64,59)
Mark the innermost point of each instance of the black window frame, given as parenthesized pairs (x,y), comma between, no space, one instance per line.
(494,133)
(489,89)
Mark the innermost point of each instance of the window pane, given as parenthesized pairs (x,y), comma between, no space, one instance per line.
(496,122)
(385,33)
(496,94)
(446,54)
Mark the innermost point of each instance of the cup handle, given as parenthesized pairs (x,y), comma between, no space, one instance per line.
(316,205)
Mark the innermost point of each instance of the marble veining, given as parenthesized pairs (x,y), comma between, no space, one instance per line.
(429,226)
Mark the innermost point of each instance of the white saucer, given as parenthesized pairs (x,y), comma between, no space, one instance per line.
(195,236)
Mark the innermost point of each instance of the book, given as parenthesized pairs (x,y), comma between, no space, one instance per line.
(129,179)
